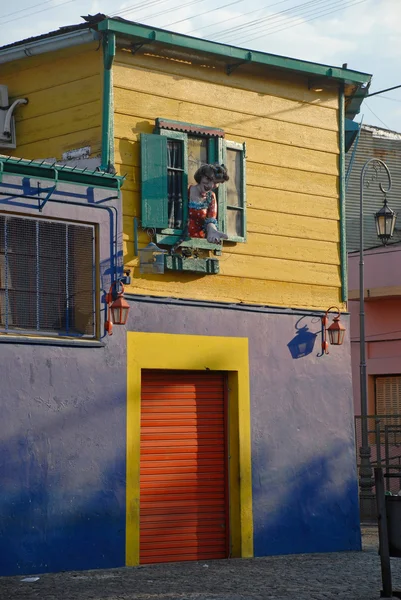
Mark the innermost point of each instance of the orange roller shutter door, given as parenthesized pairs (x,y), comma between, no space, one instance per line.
(183,470)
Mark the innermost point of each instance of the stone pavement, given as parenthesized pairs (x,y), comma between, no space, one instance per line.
(339,576)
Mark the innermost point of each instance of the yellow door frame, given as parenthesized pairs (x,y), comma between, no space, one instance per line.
(194,352)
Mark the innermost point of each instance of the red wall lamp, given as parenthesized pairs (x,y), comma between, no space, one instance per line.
(117,306)
(336,330)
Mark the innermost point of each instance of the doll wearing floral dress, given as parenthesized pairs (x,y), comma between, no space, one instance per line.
(202,204)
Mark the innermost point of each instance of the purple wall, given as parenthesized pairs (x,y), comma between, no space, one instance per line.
(62,436)
(303,458)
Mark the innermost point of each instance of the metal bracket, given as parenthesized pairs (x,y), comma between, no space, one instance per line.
(233,66)
(49,192)
(134,48)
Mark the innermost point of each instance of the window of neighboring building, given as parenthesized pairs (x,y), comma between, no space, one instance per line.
(169,160)
(46,277)
(388,395)
(388,402)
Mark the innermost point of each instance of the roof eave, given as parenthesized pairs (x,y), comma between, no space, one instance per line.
(153,34)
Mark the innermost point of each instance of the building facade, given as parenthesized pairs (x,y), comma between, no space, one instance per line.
(382,291)
(211,424)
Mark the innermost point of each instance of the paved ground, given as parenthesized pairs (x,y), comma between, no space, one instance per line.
(340,576)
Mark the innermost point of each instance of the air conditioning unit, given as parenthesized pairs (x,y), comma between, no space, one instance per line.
(7,121)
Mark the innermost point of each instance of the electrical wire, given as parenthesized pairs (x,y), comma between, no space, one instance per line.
(25,9)
(37,12)
(392,99)
(302,21)
(204,13)
(241,16)
(375,115)
(305,11)
(137,6)
(258,23)
(174,8)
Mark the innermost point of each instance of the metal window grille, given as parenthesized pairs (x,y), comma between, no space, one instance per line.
(46,277)
(175,172)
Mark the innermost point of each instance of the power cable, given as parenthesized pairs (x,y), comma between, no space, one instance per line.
(395,87)
(375,115)
(204,13)
(25,9)
(37,12)
(139,6)
(392,99)
(240,16)
(302,21)
(303,10)
(260,22)
(174,8)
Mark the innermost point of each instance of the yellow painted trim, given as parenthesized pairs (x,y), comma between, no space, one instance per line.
(193,352)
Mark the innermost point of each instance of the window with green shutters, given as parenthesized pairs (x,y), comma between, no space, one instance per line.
(169,160)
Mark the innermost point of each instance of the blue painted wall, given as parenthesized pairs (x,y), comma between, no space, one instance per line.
(62,458)
(62,437)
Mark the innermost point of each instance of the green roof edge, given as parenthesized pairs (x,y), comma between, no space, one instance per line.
(58,173)
(163,36)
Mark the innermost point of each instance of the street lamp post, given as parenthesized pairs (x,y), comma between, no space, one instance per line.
(385,222)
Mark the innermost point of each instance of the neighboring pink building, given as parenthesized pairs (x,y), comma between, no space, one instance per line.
(382,328)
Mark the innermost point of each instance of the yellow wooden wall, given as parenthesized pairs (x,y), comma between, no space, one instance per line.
(292,254)
(64,92)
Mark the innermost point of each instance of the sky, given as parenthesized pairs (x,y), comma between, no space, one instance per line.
(365,34)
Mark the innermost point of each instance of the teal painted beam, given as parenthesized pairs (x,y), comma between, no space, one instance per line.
(109,52)
(152,34)
(343,232)
(59,173)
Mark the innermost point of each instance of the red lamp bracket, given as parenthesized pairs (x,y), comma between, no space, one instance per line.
(325,322)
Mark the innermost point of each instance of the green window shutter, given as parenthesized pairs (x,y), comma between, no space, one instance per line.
(154,181)
(232,202)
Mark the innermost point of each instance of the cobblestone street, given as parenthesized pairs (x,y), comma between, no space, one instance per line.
(348,575)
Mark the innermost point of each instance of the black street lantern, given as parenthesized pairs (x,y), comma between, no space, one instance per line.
(385,222)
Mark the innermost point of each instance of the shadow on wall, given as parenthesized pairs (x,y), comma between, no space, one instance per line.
(62,505)
(308,508)
(303,342)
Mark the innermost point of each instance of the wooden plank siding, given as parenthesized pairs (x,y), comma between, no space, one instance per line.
(291,257)
(64,110)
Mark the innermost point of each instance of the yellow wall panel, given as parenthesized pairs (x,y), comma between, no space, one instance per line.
(165,85)
(64,93)
(50,70)
(293,203)
(133,108)
(288,226)
(266,199)
(278,178)
(79,118)
(280,155)
(249,77)
(90,51)
(291,257)
(236,290)
(291,180)
(296,226)
(55,146)
(258,244)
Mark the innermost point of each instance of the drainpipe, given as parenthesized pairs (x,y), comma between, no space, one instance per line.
(343,238)
(50,44)
(109,52)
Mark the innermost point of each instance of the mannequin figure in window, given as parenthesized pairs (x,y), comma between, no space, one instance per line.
(202,204)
